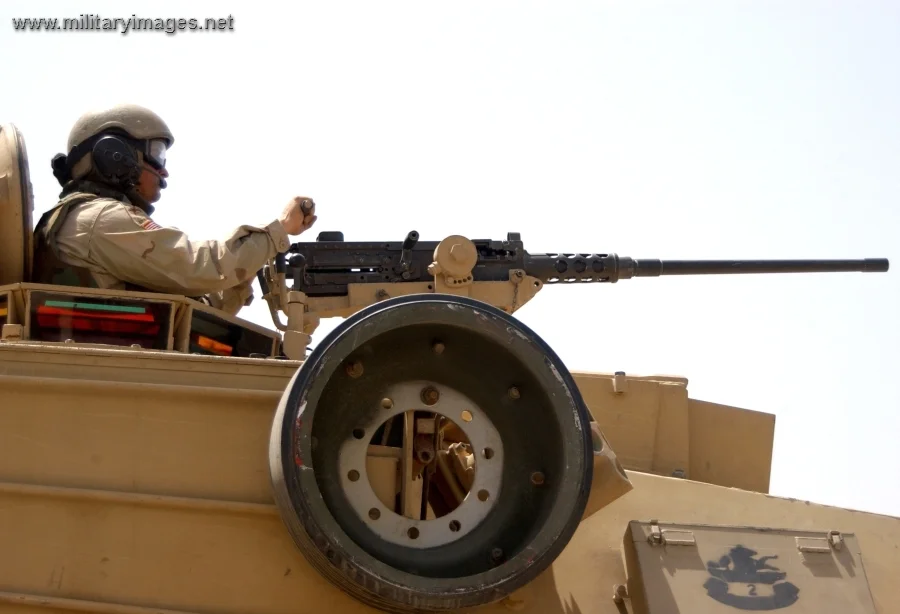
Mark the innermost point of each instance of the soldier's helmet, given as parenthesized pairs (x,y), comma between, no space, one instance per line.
(147,130)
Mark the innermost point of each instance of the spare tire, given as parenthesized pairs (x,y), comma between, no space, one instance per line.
(16,208)
(528,425)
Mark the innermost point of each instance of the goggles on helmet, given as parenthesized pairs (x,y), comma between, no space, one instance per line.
(155,153)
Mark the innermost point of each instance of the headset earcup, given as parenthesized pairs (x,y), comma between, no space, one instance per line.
(116,162)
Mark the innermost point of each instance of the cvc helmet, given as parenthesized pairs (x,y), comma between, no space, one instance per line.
(148,133)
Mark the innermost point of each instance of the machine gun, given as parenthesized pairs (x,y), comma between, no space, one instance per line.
(336,278)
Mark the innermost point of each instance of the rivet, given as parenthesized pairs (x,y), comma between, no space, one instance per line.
(537,478)
(514,393)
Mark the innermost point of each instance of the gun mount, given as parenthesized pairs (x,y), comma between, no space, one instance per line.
(336,278)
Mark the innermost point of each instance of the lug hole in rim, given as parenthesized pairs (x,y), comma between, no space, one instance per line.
(483,495)
(413,532)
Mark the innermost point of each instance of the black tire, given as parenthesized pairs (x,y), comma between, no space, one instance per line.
(486,352)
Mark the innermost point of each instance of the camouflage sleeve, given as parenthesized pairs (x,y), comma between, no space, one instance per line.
(133,248)
(232,300)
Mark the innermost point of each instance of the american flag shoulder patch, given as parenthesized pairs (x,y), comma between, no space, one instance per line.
(149,224)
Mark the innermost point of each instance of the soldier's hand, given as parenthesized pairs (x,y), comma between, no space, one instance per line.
(299,215)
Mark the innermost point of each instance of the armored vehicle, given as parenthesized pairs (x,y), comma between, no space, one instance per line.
(430,454)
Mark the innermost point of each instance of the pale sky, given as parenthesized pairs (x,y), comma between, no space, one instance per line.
(654,130)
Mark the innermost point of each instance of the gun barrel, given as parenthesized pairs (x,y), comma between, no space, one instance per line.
(609,268)
(654,268)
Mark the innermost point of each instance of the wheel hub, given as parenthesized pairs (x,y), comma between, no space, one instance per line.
(415,532)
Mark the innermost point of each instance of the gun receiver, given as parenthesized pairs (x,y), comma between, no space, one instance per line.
(335,278)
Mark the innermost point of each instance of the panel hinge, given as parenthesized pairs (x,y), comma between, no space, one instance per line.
(655,538)
(620,382)
(836,540)
(670,537)
(824,545)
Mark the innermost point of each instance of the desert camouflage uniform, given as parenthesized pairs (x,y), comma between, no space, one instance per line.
(96,237)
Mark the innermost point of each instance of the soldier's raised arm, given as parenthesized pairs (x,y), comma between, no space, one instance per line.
(133,248)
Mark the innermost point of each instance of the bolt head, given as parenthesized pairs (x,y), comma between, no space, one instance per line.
(430,395)
(354,369)
(457,252)
(514,393)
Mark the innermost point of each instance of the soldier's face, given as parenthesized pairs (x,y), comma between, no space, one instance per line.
(150,182)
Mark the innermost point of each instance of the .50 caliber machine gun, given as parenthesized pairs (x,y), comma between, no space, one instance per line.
(336,278)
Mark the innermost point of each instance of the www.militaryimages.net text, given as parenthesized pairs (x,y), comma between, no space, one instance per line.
(95,23)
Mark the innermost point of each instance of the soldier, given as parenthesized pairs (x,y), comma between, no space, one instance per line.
(100,233)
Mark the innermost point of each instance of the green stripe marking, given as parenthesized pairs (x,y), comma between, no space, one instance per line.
(95,307)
